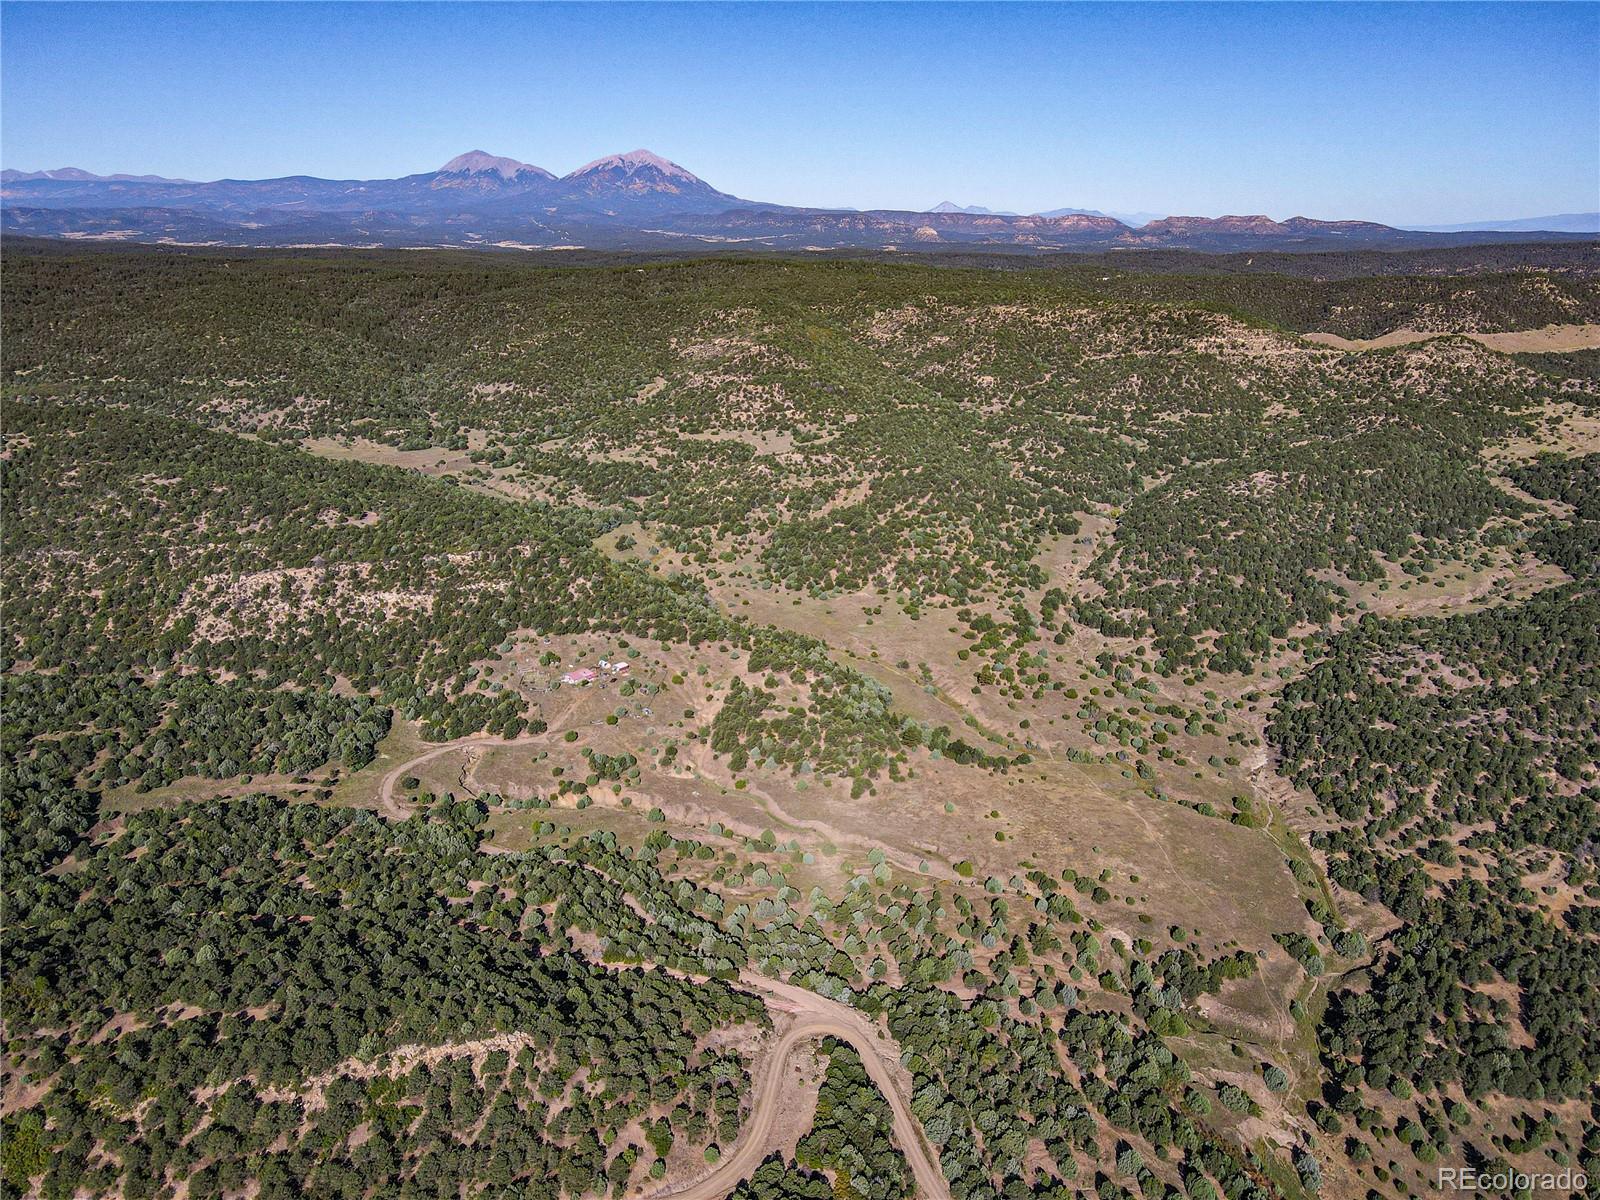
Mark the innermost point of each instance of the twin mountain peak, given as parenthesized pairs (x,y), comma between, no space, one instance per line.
(633,164)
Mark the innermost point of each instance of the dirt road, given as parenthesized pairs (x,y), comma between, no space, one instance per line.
(818,1017)
(815,1017)
(394,810)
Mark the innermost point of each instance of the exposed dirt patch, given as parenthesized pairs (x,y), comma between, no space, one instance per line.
(1556,338)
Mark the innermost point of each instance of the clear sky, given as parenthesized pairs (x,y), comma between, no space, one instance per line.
(1413,113)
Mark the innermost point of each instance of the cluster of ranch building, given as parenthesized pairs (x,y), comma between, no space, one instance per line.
(584,675)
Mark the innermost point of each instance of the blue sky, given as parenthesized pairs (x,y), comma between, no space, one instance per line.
(1413,113)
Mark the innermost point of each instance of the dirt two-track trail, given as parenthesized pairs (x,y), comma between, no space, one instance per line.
(394,810)
(815,1017)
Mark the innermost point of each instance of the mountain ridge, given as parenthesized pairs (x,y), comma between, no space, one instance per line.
(1582,222)
(635,199)
(79,175)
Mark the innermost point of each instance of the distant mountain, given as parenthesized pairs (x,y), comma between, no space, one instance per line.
(1560,223)
(636,169)
(466,177)
(977,210)
(638,185)
(1074,212)
(477,162)
(78,175)
(642,181)
(637,200)
(1131,219)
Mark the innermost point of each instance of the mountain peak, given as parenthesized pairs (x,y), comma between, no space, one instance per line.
(480,162)
(633,162)
(974,210)
(79,175)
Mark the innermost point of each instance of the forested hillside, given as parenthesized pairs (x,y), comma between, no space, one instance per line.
(447,701)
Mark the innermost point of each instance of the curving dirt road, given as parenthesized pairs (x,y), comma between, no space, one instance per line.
(815,1017)
(818,1017)
(395,811)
